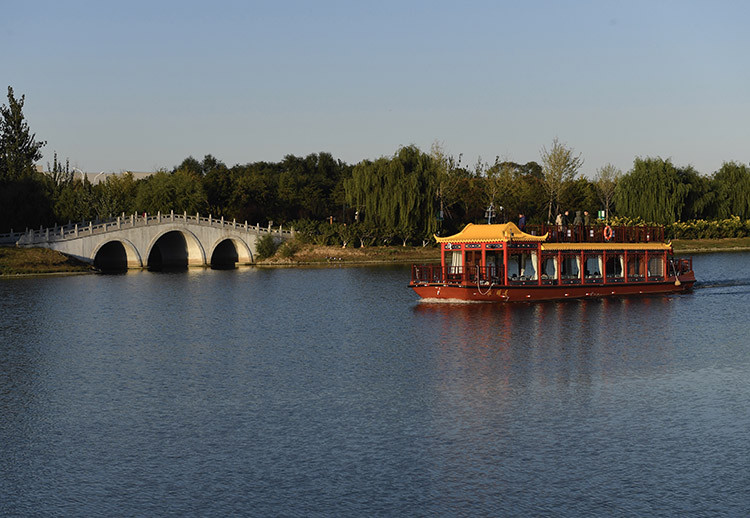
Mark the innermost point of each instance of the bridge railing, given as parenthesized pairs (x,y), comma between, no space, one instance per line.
(89,228)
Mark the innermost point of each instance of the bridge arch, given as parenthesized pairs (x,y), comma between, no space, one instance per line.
(116,254)
(175,248)
(227,251)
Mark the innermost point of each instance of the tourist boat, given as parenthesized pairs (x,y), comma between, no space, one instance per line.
(501,263)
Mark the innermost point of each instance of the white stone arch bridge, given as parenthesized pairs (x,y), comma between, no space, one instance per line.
(155,241)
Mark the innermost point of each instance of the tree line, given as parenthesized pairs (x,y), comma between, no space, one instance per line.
(406,197)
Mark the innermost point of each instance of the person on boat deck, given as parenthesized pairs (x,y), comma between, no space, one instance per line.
(586,223)
(521,222)
(577,222)
(558,221)
(565,225)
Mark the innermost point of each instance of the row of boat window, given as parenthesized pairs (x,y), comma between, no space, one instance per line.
(525,265)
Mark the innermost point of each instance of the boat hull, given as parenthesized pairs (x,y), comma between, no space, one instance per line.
(529,293)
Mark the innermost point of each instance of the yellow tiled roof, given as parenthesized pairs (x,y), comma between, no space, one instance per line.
(484,233)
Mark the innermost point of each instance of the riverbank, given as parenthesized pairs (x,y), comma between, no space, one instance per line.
(325,255)
(321,255)
(41,261)
(37,261)
(696,246)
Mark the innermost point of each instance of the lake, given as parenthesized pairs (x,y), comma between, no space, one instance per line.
(335,392)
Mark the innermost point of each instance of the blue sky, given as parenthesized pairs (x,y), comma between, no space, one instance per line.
(141,85)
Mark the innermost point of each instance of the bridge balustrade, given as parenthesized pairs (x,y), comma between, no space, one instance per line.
(88,228)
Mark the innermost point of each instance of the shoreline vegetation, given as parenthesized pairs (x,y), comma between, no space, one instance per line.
(16,262)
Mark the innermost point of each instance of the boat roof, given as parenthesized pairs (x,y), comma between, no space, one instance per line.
(505,232)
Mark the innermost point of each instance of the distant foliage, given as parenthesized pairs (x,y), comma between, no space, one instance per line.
(406,198)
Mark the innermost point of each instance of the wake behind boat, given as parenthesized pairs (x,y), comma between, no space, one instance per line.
(501,263)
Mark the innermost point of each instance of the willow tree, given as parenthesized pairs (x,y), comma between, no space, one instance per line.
(559,167)
(396,193)
(731,184)
(653,191)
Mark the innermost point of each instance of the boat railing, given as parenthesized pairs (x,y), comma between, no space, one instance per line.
(680,266)
(435,273)
(597,233)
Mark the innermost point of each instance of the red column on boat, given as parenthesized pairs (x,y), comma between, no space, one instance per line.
(464,267)
(582,273)
(443,269)
(559,267)
(539,264)
(483,270)
(505,263)
(625,266)
(604,267)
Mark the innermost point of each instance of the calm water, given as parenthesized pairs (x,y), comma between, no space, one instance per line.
(334,392)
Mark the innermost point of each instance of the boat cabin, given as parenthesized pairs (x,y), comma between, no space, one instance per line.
(504,255)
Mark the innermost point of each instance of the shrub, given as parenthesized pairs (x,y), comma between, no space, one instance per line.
(288,249)
(266,247)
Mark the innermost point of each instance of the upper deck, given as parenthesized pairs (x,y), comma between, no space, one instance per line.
(604,234)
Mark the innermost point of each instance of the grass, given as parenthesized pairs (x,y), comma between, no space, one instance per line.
(36,261)
(316,254)
(711,245)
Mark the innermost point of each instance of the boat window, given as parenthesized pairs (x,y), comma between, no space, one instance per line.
(454,261)
(494,265)
(593,267)
(636,266)
(615,266)
(656,266)
(549,267)
(473,260)
(523,266)
(571,266)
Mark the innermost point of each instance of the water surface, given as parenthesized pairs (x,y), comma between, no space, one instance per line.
(335,392)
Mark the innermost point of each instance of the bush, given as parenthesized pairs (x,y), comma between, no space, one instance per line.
(714,229)
(288,249)
(266,247)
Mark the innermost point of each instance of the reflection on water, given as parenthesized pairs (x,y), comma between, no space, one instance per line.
(326,392)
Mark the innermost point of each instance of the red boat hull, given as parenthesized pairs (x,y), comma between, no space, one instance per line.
(528,293)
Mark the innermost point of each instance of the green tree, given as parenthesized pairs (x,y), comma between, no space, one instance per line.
(252,191)
(396,191)
(115,195)
(74,202)
(25,194)
(731,185)
(559,168)
(18,147)
(653,191)
(180,191)
(699,200)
